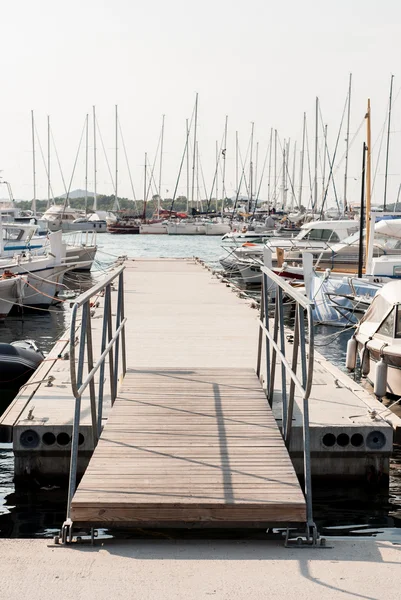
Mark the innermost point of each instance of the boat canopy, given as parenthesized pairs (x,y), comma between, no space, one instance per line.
(384,314)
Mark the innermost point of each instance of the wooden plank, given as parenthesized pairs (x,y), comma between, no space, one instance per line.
(194,450)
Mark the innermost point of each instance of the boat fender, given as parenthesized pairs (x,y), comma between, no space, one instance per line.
(380,386)
(350,360)
(365,362)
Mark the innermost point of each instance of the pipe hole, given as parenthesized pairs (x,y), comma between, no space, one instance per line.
(343,440)
(63,439)
(48,438)
(29,439)
(357,440)
(81,439)
(376,440)
(329,439)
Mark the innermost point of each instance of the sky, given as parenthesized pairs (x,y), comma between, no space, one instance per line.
(257,61)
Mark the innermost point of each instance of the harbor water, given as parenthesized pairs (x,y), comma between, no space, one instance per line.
(39,512)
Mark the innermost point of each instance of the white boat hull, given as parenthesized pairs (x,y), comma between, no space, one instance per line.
(98,226)
(217,228)
(82,255)
(186,229)
(153,228)
(11,292)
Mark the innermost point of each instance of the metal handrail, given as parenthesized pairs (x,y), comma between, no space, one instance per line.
(110,347)
(275,349)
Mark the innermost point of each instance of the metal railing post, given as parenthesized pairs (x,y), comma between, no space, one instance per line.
(123,348)
(78,383)
(290,411)
(274,354)
(102,366)
(260,340)
(306,350)
(75,426)
(118,321)
(279,300)
(267,349)
(110,335)
(92,392)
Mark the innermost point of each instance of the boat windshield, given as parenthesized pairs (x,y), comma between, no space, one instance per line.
(398,323)
(325,235)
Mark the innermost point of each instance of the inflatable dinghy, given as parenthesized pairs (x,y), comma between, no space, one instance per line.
(18,361)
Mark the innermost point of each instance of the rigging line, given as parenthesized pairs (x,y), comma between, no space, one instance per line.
(58,160)
(381,135)
(182,161)
(349,145)
(203,177)
(152,179)
(261,179)
(240,183)
(73,170)
(127,162)
(331,177)
(105,155)
(309,166)
(286,167)
(44,161)
(215,173)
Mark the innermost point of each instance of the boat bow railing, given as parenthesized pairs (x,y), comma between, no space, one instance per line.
(112,346)
(294,353)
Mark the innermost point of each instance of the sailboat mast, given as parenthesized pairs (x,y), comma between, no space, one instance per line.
(144,189)
(223,195)
(301,168)
(275,168)
(116,204)
(256,172)
(251,172)
(48,161)
(347,144)
(217,174)
(368,185)
(283,177)
(86,163)
(198,200)
(236,162)
(324,164)
(388,142)
(33,164)
(293,199)
(270,166)
(316,154)
(194,152)
(94,161)
(187,133)
(161,165)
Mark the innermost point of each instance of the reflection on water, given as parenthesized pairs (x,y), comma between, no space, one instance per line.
(40,512)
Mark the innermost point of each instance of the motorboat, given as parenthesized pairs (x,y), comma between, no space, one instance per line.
(44,273)
(123,225)
(22,238)
(377,340)
(65,219)
(314,236)
(12,289)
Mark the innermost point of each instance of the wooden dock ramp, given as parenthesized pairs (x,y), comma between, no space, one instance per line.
(190,447)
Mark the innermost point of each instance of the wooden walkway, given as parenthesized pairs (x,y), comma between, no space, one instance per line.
(190,446)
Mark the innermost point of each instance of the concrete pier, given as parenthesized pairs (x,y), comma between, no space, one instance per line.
(172,569)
